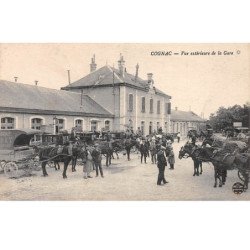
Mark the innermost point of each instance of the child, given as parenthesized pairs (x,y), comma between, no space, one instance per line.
(171,158)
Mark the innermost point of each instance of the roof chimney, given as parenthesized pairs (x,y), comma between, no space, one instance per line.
(121,64)
(136,71)
(150,79)
(15,78)
(93,65)
(36,82)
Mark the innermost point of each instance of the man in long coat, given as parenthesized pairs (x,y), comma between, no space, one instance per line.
(144,151)
(161,164)
(97,159)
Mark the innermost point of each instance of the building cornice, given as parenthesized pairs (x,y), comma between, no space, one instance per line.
(115,85)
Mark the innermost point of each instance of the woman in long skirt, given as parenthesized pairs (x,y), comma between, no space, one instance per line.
(88,166)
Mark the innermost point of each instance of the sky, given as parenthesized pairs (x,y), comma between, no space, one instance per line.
(201,83)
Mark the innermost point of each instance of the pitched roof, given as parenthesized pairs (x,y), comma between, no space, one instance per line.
(178,115)
(18,96)
(107,75)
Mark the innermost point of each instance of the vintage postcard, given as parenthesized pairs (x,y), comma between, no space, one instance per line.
(161,122)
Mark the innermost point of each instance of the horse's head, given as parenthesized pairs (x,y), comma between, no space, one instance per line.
(185,151)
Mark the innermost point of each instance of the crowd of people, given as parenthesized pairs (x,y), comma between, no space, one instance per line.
(155,148)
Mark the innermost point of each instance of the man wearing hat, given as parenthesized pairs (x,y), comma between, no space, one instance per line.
(97,159)
(161,164)
(144,151)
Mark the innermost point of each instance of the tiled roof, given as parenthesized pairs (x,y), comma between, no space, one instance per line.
(178,115)
(107,75)
(31,97)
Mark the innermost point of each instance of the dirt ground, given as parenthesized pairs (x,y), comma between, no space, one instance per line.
(123,181)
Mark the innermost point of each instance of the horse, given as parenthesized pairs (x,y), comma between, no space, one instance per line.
(107,150)
(206,154)
(117,146)
(188,151)
(130,143)
(56,154)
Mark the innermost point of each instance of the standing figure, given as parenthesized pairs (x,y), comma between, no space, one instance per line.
(171,158)
(88,165)
(153,151)
(178,136)
(147,143)
(161,164)
(144,151)
(128,147)
(97,159)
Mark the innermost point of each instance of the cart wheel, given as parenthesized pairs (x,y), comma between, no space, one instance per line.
(11,169)
(2,164)
(241,176)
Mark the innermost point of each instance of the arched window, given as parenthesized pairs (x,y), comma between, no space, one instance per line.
(94,126)
(79,124)
(7,123)
(36,123)
(157,126)
(150,130)
(130,102)
(107,125)
(61,124)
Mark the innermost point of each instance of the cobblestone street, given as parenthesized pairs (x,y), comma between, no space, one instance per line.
(123,181)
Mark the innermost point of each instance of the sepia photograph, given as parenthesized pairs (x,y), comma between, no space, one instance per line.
(124,121)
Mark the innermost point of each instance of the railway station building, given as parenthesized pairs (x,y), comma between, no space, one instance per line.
(134,102)
(24,106)
(183,121)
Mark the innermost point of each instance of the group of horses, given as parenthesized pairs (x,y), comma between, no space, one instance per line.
(78,150)
(223,154)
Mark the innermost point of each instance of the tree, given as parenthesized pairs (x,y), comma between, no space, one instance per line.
(225,117)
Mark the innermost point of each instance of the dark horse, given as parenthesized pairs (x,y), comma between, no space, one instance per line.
(188,151)
(223,161)
(206,154)
(56,154)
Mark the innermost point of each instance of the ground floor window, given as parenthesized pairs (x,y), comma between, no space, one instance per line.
(7,123)
(166,126)
(79,123)
(157,126)
(61,124)
(107,125)
(143,127)
(93,126)
(36,123)
(150,128)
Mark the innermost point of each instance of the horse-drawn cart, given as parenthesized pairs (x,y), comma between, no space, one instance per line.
(16,153)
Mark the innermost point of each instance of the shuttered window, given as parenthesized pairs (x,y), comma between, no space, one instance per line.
(151,103)
(130,102)
(158,107)
(143,108)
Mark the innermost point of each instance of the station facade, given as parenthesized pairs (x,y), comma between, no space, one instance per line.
(134,102)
